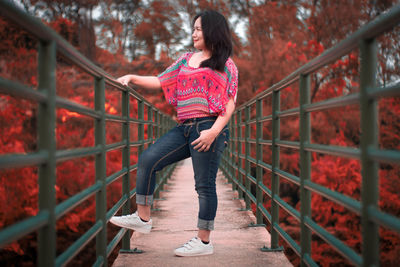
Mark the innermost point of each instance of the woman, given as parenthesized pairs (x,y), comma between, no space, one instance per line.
(202,86)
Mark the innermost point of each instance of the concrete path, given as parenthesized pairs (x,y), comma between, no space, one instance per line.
(235,244)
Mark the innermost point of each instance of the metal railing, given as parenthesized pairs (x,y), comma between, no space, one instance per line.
(46,156)
(236,165)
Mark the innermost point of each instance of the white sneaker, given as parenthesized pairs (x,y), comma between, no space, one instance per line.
(194,248)
(132,222)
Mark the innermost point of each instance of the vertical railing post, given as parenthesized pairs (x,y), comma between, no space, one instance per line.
(239,153)
(369,139)
(226,160)
(232,155)
(101,195)
(140,126)
(150,125)
(47,142)
(247,161)
(157,123)
(259,157)
(305,168)
(160,174)
(275,165)
(126,209)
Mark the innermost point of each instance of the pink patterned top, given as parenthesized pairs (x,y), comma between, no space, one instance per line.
(198,92)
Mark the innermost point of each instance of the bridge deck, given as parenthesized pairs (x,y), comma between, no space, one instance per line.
(235,244)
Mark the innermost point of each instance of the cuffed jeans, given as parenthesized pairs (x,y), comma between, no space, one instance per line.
(175,146)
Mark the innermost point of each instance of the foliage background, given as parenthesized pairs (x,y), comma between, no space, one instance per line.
(144,37)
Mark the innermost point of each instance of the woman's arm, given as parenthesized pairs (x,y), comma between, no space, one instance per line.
(207,137)
(146,82)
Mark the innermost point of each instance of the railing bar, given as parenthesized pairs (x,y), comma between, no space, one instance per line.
(347,202)
(266,142)
(75,107)
(240,185)
(115,146)
(251,140)
(309,261)
(23,160)
(116,207)
(384,219)
(114,242)
(386,156)
(265,213)
(138,143)
(290,177)
(110,179)
(266,166)
(142,121)
(115,118)
(289,113)
(79,244)
(133,167)
(75,200)
(19,90)
(333,103)
(288,239)
(252,179)
(251,121)
(266,118)
(338,245)
(265,189)
(390,91)
(99,262)
(292,211)
(20,229)
(251,196)
(134,94)
(62,155)
(339,151)
(253,160)
(242,171)
(242,156)
(132,193)
(288,144)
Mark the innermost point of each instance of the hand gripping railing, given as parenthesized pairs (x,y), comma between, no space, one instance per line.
(368,153)
(47,156)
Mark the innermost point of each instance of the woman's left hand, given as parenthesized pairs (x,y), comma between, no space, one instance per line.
(205,140)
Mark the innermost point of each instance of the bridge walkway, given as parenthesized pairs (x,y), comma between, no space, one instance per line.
(174,223)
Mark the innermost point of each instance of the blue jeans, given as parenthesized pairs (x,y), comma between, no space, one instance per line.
(175,146)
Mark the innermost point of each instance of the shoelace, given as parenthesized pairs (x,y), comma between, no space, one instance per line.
(129,215)
(188,244)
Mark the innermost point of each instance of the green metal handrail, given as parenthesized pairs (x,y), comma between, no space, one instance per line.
(368,153)
(46,156)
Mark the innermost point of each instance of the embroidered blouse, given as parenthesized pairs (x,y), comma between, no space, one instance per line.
(199,92)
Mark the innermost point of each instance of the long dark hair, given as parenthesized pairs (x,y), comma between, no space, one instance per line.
(217,38)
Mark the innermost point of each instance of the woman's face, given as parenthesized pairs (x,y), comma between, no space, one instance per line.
(198,40)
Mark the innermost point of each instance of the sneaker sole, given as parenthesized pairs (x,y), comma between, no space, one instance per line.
(193,255)
(140,230)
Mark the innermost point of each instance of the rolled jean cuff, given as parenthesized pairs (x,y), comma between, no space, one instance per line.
(144,200)
(205,225)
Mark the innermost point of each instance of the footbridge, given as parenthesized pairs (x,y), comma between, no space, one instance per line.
(249,226)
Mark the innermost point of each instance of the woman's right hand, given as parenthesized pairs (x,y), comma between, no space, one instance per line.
(124,80)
